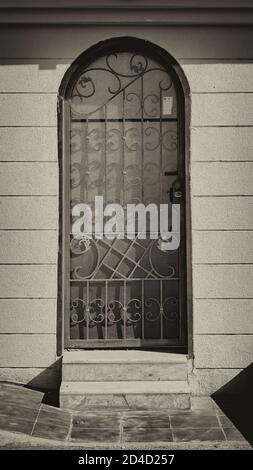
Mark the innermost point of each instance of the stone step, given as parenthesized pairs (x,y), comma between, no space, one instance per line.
(123,372)
(109,366)
(119,356)
(125,395)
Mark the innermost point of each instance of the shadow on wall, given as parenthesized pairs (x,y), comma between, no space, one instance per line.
(49,382)
(236,400)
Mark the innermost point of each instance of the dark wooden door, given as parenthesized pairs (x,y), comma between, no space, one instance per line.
(125,142)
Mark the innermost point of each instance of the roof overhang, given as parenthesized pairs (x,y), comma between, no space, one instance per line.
(132,12)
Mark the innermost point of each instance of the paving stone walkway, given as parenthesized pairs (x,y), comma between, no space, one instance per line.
(22,411)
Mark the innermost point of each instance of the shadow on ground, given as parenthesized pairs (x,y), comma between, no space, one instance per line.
(48,382)
(235,399)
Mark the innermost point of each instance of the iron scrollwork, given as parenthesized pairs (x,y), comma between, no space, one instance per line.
(138,67)
(96,312)
(127,89)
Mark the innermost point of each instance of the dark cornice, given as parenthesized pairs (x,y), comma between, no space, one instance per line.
(132,12)
(87,4)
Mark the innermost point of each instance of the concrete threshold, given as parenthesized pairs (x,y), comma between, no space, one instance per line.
(121,356)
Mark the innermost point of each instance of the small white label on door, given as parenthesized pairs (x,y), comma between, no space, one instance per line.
(167,104)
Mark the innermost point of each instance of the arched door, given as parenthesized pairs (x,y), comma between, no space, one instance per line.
(123,135)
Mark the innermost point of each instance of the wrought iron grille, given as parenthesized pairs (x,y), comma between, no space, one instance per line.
(124,146)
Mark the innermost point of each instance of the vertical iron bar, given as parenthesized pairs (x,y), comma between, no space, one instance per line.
(124,201)
(142,310)
(88,310)
(161,306)
(87,162)
(83,192)
(161,149)
(142,142)
(105,152)
(124,308)
(161,200)
(123,146)
(105,194)
(106,303)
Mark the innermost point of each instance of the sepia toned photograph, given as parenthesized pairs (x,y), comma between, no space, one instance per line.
(126,231)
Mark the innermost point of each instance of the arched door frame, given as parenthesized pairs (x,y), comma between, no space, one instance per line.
(124,44)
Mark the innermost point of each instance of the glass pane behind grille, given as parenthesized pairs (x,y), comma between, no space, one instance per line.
(123,140)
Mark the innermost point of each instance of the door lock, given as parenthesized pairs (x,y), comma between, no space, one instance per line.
(178,194)
(175,192)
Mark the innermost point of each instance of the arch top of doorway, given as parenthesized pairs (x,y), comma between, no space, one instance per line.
(123,44)
(85,59)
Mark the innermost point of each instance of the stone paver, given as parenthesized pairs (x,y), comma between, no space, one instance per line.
(22,410)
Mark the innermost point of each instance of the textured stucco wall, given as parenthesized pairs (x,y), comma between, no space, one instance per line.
(221,176)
